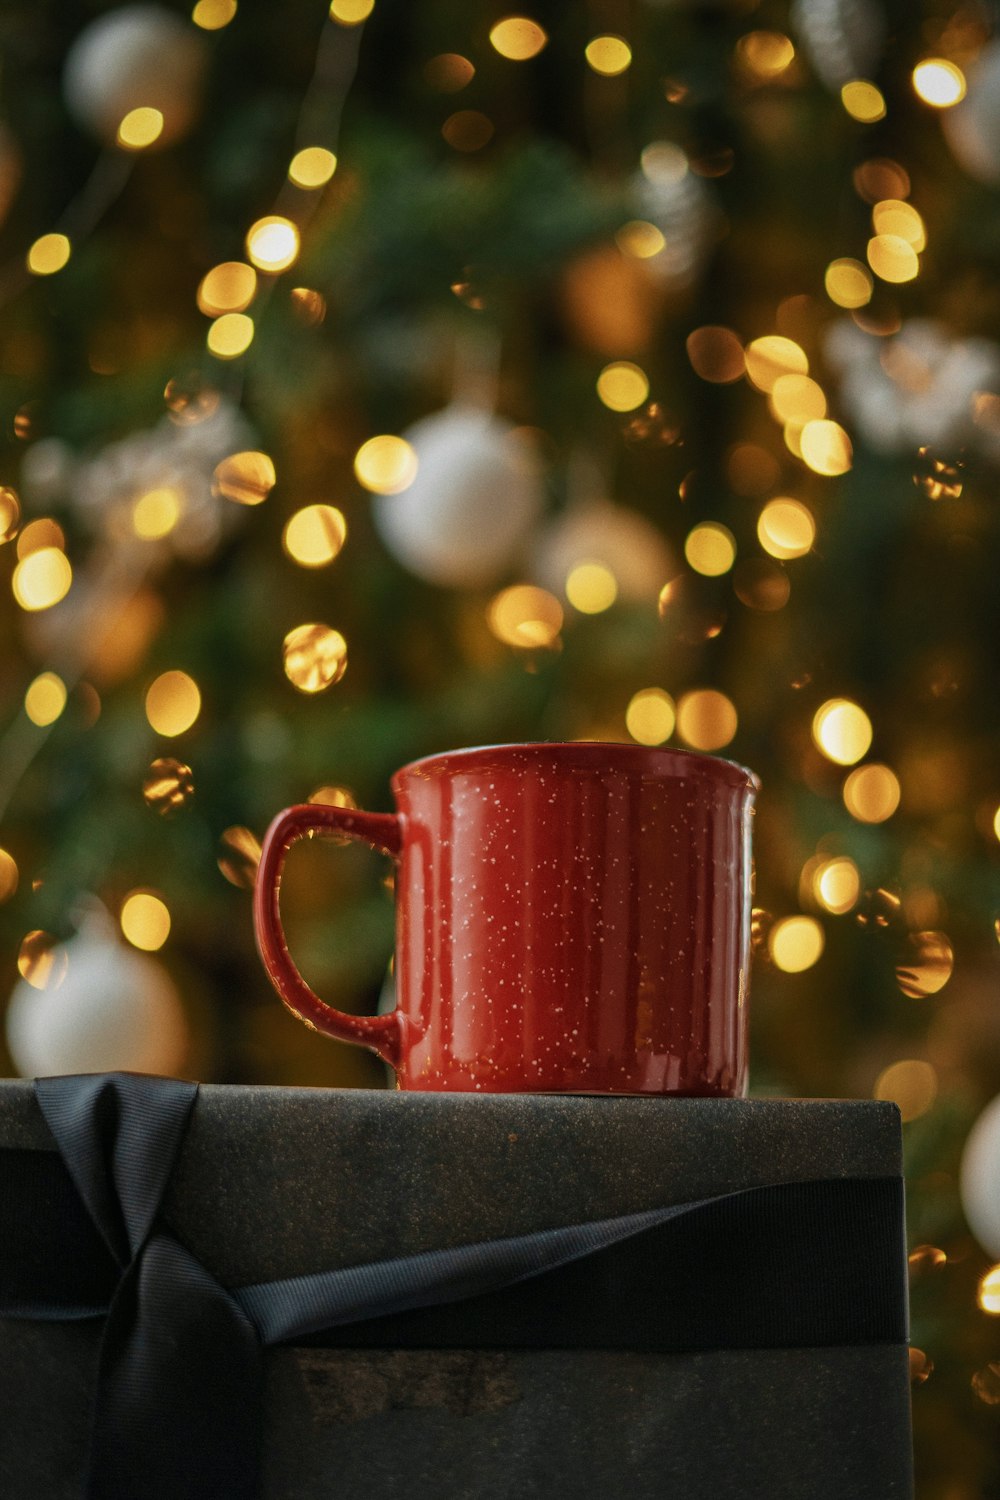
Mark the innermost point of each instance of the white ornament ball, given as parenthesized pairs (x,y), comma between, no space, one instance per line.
(980,1180)
(115,1010)
(597,531)
(139,56)
(972,128)
(475,498)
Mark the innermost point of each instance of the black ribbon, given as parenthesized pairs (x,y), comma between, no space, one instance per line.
(178,1401)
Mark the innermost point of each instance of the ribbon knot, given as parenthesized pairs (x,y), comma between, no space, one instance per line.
(119,1137)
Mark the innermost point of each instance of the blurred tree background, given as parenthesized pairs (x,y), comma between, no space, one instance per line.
(385,380)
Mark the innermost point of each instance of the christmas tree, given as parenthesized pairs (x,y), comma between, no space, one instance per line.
(389,379)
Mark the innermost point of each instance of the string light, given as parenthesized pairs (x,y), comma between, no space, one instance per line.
(386,464)
(894,216)
(836,884)
(525,616)
(246,478)
(939,83)
(706,719)
(315,657)
(230,336)
(42,578)
(272,243)
(312,167)
(48,254)
(622,386)
(314,535)
(842,731)
(227,288)
(795,944)
(892,258)
(710,549)
(871,793)
(848,283)
(785,528)
(591,587)
(863,101)
(772,356)
(826,448)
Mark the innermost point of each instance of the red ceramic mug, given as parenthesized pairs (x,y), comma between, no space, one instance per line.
(569,918)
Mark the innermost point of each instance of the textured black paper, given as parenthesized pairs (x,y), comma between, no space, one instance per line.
(279,1182)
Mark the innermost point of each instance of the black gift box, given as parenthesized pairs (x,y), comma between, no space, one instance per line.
(278,1183)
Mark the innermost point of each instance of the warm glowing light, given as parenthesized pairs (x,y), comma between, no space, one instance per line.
(212,15)
(42,578)
(836,884)
(312,167)
(333,796)
(766,54)
(48,254)
(640,239)
(245,478)
(988,1295)
(706,719)
(239,857)
(468,130)
(891,216)
(145,921)
(518,38)
(664,162)
(786,528)
(230,336)
(227,288)
(9,876)
(848,283)
(449,72)
(609,55)
(591,587)
(651,716)
(826,448)
(38,534)
(871,793)
(308,305)
(272,244)
(772,356)
(386,464)
(315,657)
(881,178)
(892,258)
(42,961)
(938,82)
(910,1084)
(168,785)
(45,699)
(622,386)
(797,398)
(863,101)
(795,943)
(525,616)
(716,354)
(996,822)
(842,731)
(314,535)
(10,513)
(351,12)
(710,549)
(140,128)
(156,513)
(926,965)
(173,703)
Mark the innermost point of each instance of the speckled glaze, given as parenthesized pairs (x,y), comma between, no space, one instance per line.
(570,918)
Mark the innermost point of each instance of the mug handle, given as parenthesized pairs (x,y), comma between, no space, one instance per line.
(383,832)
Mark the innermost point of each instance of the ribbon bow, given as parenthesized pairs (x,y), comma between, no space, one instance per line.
(178,1406)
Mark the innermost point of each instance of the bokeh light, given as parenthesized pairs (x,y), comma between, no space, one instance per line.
(911,1084)
(988,1291)
(351,12)
(927,966)
(518,38)
(939,83)
(765,54)
(608,55)
(315,657)
(622,386)
(312,167)
(213,15)
(10,513)
(239,857)
(842,731)
(314,535)
(272,244)
(173,703)
(891,216)
(245,478)
(42,578)
(640,239)
(795,944)
(9,876)
(155,514)
(892,258)
(650,716)
(227,288)
(716,354)
(38,534)
(48,254)
(230,336)
(591,587)
(848,283)
(45,699)
(386,464)
(706,719)
(140,128)
(168,785)
(710,549)
(468,130)
(826,447)
(836,884)
(785,528)
(42,960)
(863,101)
(525,616)
(770,357)
(797,398)
(145,920)
(871,793)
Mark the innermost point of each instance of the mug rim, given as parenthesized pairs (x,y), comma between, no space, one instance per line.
(697,762)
